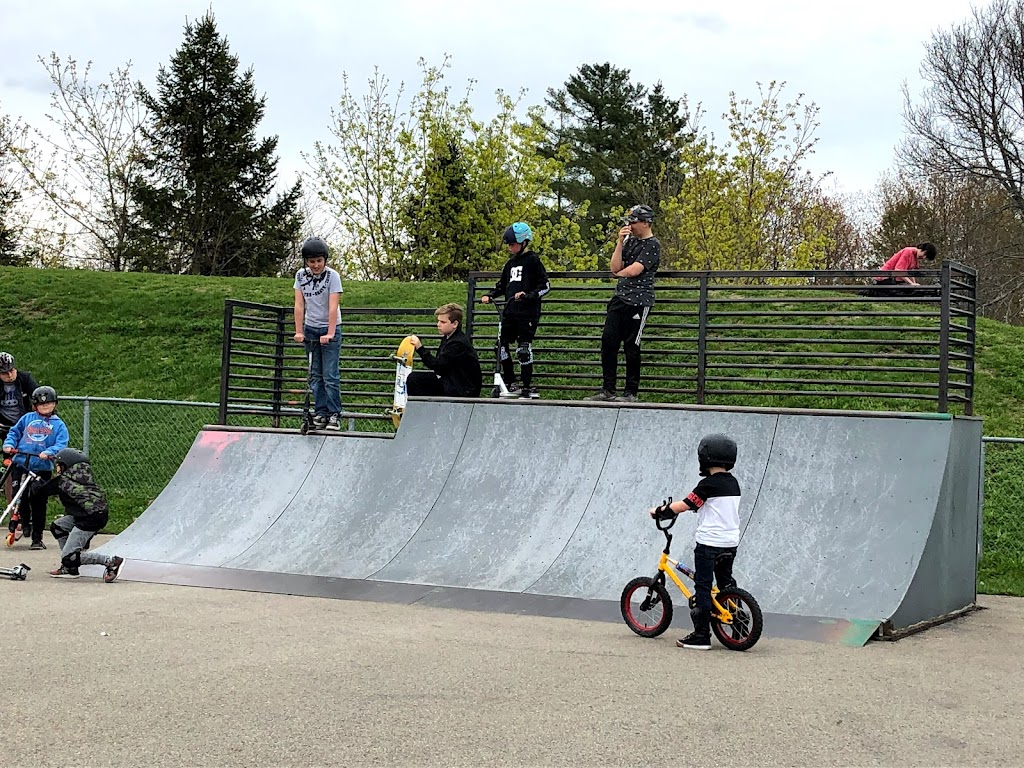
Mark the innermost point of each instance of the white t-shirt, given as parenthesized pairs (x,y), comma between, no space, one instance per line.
(716,500)
(316,291)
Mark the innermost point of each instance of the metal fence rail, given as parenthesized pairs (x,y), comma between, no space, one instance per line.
(799,339)
(755,337)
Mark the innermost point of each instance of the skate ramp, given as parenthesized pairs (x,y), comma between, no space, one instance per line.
(363,499)
(653,454)
(855,518)
(521,484)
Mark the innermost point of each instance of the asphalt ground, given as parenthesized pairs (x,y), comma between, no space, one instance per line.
(135,674)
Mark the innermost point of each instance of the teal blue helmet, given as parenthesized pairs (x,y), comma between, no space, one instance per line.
(519,232)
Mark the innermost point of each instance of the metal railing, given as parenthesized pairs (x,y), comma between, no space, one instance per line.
(757,337)
(798,339)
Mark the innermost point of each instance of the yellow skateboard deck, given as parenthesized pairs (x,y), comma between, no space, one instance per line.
(403,367)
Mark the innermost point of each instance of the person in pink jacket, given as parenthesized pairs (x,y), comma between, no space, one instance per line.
(904,260)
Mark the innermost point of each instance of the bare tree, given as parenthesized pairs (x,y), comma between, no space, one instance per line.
(968,124)
(85,168)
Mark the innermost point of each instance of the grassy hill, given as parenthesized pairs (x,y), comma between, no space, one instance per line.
(159,337)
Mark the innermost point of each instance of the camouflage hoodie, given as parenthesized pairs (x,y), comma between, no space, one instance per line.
(81,496)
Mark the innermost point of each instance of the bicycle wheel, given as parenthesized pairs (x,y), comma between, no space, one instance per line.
(747,622)
(646,607)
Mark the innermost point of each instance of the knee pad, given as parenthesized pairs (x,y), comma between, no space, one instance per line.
(72,562)
(57,531)
(524,353)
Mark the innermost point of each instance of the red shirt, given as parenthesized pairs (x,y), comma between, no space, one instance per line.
(901,261)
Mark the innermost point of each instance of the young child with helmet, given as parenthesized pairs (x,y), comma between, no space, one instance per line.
(85,513)
(35,439)
(716,500)
(523,282)
(318,327)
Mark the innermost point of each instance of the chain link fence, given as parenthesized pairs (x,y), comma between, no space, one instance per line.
(1002,541)
(137,445)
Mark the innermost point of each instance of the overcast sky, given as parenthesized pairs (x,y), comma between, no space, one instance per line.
(849,58)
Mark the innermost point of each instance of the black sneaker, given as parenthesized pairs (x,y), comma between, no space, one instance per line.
(514,390)
(604,396)
(529,392)
(113,568)
(695,642)
(334,421)
(319,421)
(628,397)
(37,545)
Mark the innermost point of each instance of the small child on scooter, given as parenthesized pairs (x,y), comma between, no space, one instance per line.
(716,500)
(523,282)
(35,439)
(86,511)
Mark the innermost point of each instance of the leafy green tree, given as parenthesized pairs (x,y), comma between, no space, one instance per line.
(424,190)
(750,204)
(206,199)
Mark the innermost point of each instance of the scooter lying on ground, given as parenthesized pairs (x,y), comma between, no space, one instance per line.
(17,573)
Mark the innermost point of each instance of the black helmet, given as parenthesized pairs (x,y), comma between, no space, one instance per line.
(314,248)
(716,450)
(42,395)
(640,213)
(6,362)
(68,457)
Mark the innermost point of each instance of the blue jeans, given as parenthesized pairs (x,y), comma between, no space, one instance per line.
(324,379)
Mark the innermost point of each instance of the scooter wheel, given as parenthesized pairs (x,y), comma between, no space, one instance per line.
(10,539)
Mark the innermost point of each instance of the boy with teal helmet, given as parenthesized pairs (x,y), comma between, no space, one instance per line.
(523,282)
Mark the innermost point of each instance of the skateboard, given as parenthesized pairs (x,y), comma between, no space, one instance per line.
(403,367)
(17,573)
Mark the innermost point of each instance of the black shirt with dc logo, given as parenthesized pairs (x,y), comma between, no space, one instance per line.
(525,273)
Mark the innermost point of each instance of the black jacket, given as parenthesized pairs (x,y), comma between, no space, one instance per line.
(524,272)
(457,365)
(24,386)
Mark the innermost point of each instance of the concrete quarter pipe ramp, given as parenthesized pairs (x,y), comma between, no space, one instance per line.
(850,521)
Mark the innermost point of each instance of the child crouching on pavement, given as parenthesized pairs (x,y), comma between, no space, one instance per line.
(86,510)
(716,500)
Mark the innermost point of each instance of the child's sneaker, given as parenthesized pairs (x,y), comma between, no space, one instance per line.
(113,568)
(37,545)
(604,396)
(64,573)
(695,642)
(514,390)
(529,392)
(334,421)
(18,532)
(319,421)
(628,397)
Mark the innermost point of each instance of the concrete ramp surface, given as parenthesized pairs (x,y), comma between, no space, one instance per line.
(539,507)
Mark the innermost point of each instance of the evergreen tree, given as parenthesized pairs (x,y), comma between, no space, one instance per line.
(205,199)
(620,144)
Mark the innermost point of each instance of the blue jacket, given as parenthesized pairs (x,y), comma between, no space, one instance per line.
(37,434)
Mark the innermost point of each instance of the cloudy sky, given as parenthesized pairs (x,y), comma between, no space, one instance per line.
(849,58)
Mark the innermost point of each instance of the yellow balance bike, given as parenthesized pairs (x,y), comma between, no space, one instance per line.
(646,604)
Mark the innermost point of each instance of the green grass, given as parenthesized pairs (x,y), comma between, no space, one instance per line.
(159,337)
